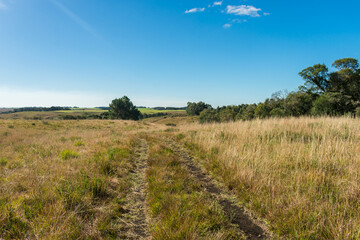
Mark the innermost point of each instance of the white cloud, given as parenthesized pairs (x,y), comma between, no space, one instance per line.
(227,25)
(2,5)
(266,14)
(218,3)
(243,10)
(239,21)
(195,10)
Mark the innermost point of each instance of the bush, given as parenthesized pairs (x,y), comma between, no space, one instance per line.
(277,112)
(68,154)
(227,115)
(3,161)
(123,108)
(79,143)
(357,112)
(332,104)
(209,116)
(193,108)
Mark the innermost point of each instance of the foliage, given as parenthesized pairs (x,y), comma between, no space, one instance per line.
(324,93)
(209,116)
(196,108)
(332,103)
(68,154)
(123,108)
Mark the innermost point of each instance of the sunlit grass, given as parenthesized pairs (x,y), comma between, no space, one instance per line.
(64,179)
(302,175)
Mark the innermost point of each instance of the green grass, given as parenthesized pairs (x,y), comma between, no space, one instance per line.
(179,207)
(82,110)
(49,191)
(154,111)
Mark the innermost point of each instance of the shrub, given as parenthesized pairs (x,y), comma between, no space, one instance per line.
(208,116)
(68,154)
(196,108)
(277,112)
(333,104)
(79,143)
(3,161)
(357,112)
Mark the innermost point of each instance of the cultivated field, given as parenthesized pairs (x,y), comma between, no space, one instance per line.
(172,178)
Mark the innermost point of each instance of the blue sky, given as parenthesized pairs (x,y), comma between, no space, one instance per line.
(166,52)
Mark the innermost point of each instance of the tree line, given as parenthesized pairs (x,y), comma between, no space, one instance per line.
(327,93)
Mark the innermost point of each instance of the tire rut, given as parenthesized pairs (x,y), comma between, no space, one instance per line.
(237,214)
(136,219)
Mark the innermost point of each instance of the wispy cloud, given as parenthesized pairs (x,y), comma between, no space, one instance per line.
(76,19)
(243,10)
(195,10)
(218,3)
(234,21)
(2,5)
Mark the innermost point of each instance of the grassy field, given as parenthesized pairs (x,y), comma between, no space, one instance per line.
(301,175)
(51,115)
(154,111)
(172,178)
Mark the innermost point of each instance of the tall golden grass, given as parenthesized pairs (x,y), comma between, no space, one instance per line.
(64,179)
(302,175)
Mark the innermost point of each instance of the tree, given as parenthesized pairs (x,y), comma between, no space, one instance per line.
(316,78)
(249,112)
(227,115)
(209,116)
(298,103)
(333,103)
(347,79)
(123,108)
(196,108)
(346,63)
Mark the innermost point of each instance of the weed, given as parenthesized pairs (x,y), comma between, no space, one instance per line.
(68,154)
(3,161)
(79,143)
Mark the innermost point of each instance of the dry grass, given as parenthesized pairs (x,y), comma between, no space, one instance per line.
(302,175)
(178,204)
(72,179)
(64,179)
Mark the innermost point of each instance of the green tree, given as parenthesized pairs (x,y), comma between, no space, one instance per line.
(227,115)
(316,78)
(209,116)
(347,79)
(298,103)
(249,112)
(123,108)
(277,112)
(333,104)
(196,108)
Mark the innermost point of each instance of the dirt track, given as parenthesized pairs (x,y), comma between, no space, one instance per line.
(136,219)
(236,213)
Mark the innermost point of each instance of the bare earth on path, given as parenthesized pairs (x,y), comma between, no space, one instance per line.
(237,214)
(136,219)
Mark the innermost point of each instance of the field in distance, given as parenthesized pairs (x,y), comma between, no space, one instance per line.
(77,112)
(297,178)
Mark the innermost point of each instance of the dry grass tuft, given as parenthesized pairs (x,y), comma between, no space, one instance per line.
(302,175)
(64,179)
